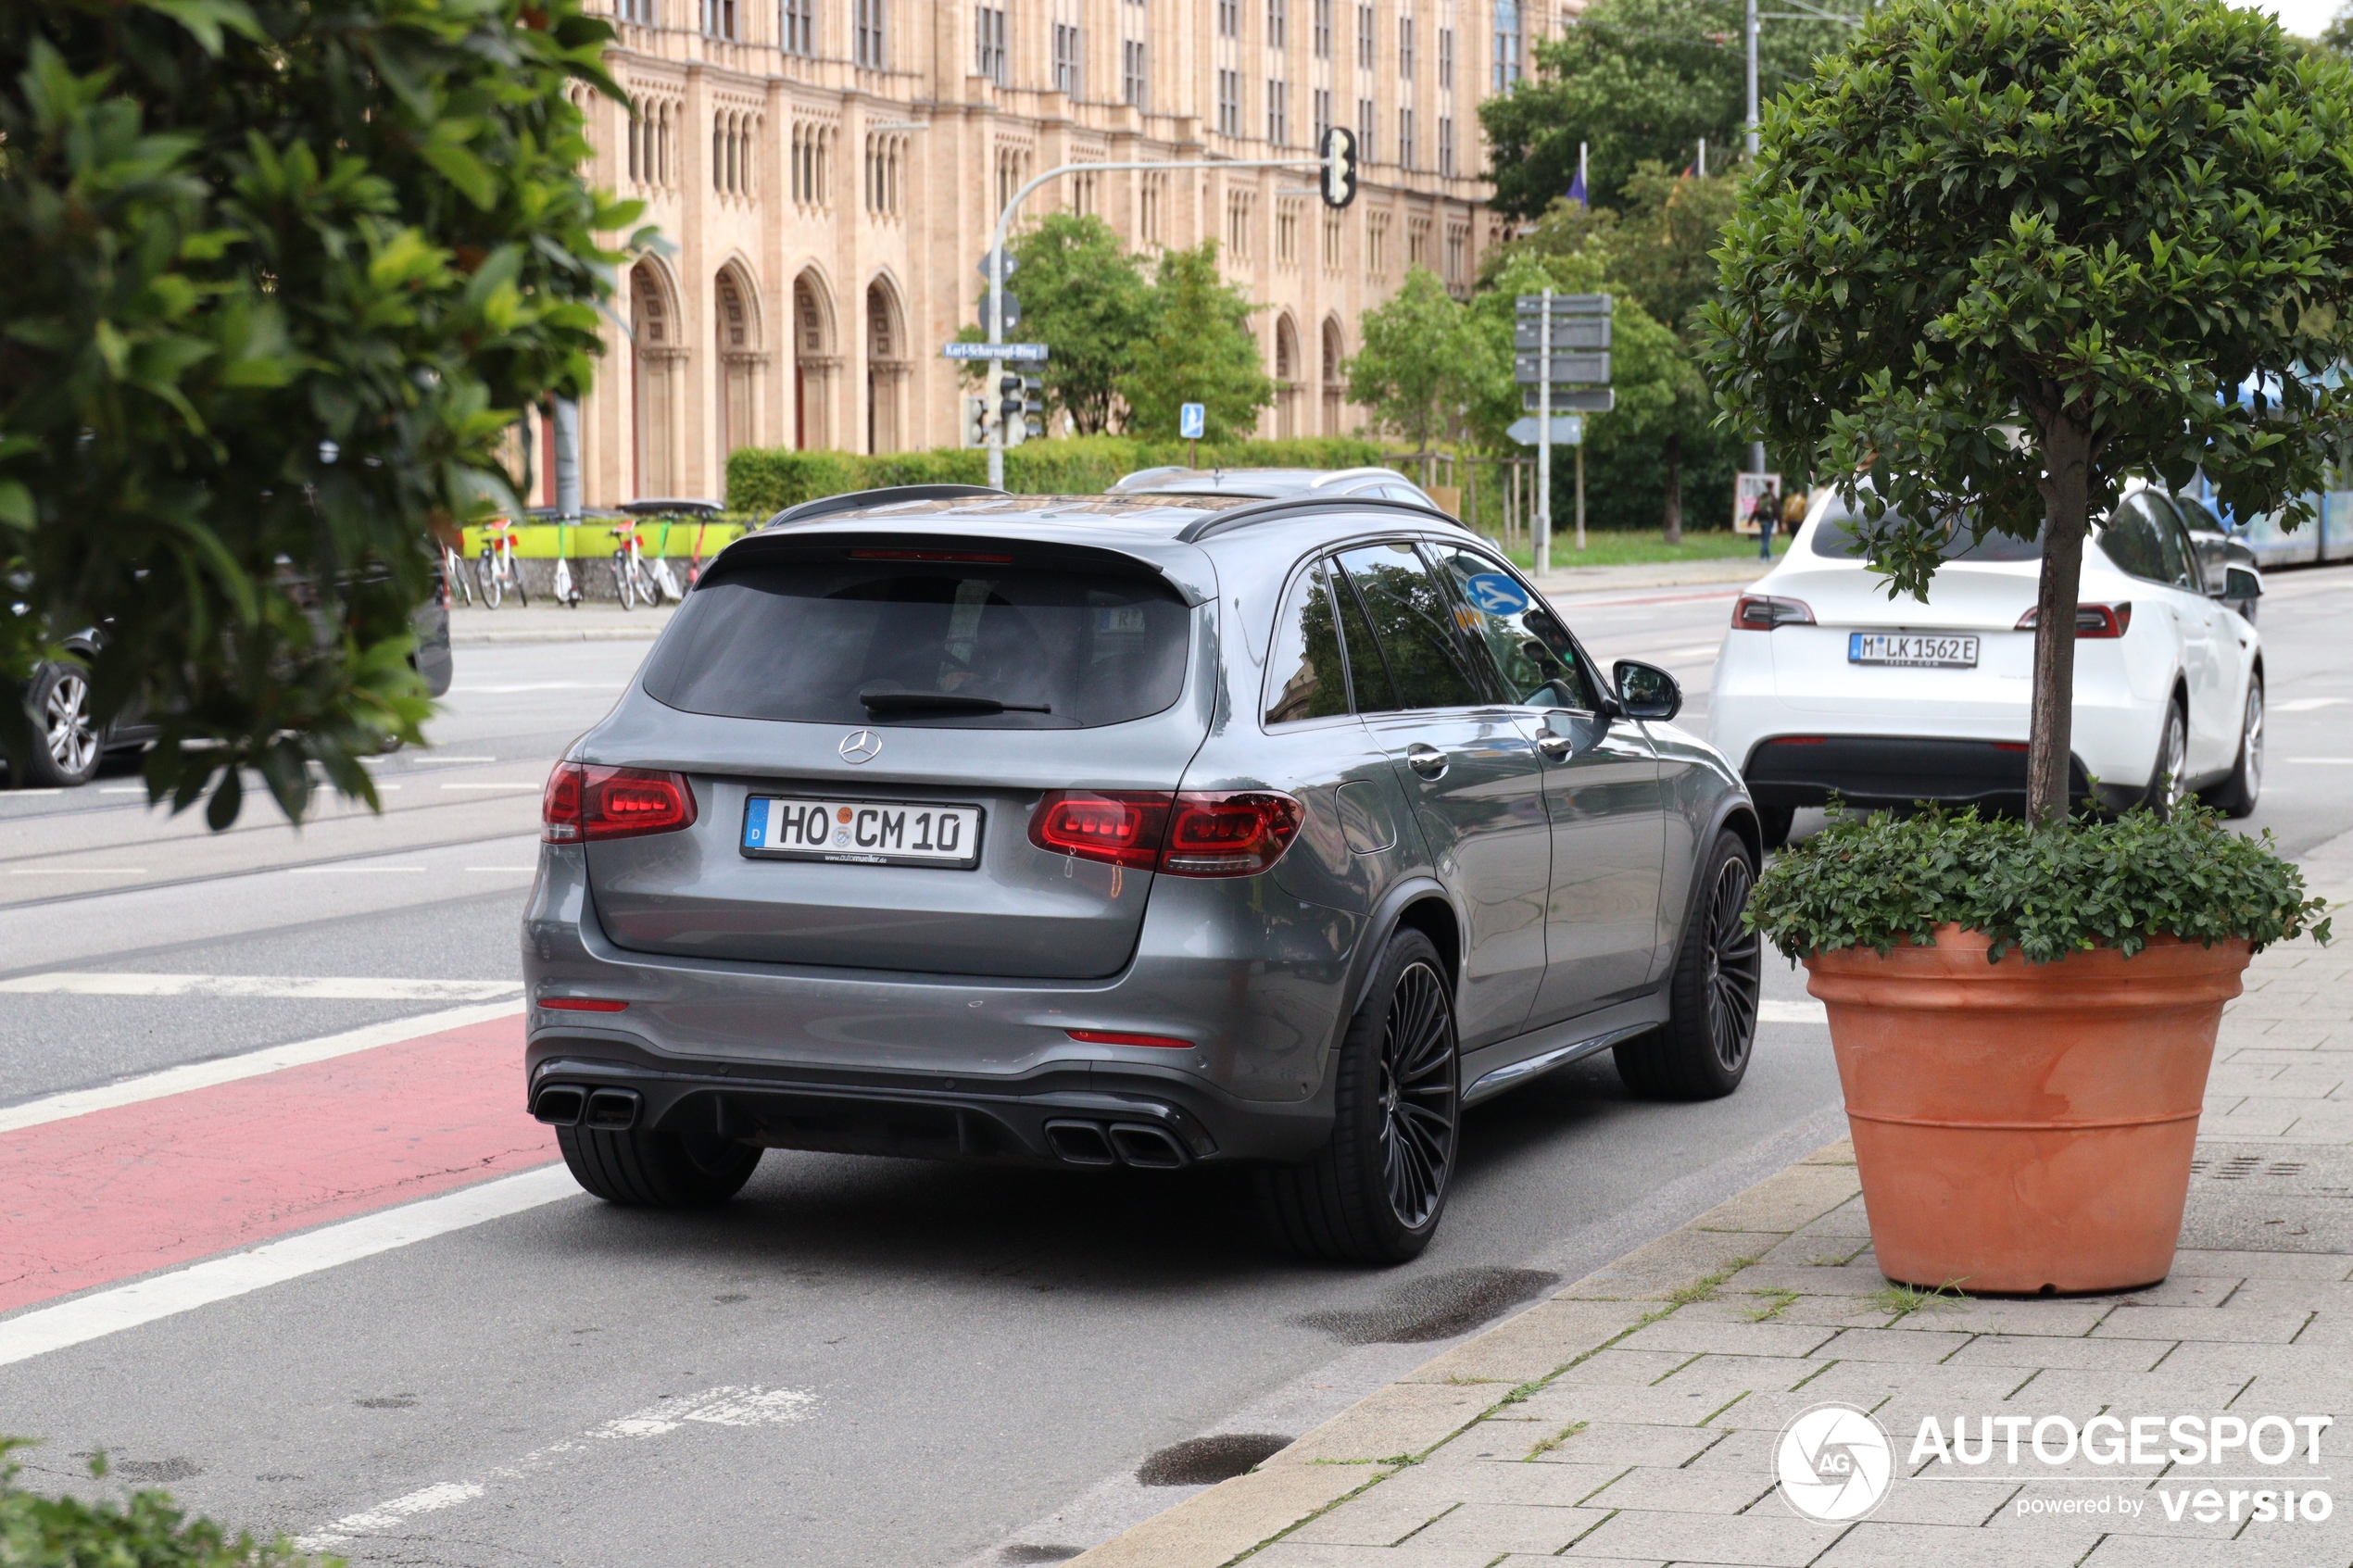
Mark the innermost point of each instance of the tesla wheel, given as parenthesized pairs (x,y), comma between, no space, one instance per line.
(69,746)
(1773,824)
(1376,1192)
(2166,791)
(658,1169)
(1703,1049)
(2236,795)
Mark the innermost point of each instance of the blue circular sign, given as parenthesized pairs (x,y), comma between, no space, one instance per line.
(1496,593)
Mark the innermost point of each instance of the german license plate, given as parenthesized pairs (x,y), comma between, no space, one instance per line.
(870,833)
(1923,650)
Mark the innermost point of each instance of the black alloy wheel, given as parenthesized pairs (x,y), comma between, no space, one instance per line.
(1703,1050)
(1417,1092)
(1376,1191)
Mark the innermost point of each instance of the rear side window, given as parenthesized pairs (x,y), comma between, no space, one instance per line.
(931,645)
(1305,678)
(1835,538)
(1412,618)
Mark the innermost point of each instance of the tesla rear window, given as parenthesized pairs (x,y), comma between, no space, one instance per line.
(1835,539)
(966,647)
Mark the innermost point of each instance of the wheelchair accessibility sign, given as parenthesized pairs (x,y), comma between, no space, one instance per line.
(1496,593)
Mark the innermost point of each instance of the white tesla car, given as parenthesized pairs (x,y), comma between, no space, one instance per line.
(1825,685)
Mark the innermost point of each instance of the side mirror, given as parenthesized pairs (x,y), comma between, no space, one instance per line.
(1645,690)
(2238,583)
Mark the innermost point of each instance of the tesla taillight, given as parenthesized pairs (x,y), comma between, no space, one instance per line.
(584,802)
(1761,612)
(2090,621)
(1194,833)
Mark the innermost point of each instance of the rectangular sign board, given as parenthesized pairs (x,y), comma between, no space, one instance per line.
(1192,418)
(1582,370)
(1572,399)
(1576,333)
(1569,430)
(1530,306)
(1012,353)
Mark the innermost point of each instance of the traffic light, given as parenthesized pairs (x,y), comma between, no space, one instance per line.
(1337,176)
(1009,407)
(975,421)
(1033,405)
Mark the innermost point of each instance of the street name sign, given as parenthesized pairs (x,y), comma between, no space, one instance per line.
(1012,353)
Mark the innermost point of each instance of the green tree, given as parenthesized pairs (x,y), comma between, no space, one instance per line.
(1418,364)
(1197,348)
(281,274)
(1636,80)
(1085,299)
(2004,253)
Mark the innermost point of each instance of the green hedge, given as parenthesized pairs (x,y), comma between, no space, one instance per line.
(762,480)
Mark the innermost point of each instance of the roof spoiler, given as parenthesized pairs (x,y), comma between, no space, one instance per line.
(809,512)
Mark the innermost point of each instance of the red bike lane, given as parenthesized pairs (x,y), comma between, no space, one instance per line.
(117,1193)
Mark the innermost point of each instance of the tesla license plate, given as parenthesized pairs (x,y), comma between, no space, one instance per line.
(1922,650)
(871,833)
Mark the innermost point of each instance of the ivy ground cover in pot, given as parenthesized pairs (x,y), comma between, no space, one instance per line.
(2023,1019)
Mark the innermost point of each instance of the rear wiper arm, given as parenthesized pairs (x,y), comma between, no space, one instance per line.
(943,702)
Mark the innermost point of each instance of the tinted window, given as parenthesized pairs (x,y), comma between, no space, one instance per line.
(1305,678)
(1414,622)
(1535,662)
(856,642)
(1367,670)
(2146,542)
(1835,539)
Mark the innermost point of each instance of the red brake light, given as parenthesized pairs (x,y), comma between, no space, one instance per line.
(931,555)
(2090,621)
(1121,1037)
(587,802)
(1761,612)
(1195,833)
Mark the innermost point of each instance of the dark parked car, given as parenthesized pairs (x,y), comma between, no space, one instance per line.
(1131,830)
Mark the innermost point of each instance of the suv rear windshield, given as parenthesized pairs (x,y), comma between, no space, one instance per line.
(964,646)
(1835,539)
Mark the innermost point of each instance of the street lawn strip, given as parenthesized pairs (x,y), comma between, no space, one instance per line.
(1640,546)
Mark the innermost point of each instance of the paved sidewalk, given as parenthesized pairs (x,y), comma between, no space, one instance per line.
(1568,578)
(1636,1417)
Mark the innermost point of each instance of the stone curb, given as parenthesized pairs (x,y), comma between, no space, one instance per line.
(1403,1423)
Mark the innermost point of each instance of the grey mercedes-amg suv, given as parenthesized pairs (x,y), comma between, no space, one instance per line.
(1119,829)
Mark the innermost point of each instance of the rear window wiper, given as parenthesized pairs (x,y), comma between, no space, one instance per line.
(943,702)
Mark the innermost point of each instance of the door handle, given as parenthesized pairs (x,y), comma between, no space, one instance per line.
(1554,748)
(1426,761)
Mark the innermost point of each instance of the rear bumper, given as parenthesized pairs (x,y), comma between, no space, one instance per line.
(1077,1113)
(1876,770)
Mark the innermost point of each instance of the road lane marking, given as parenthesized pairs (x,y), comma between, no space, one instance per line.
(103,1313)
(2308,704)
(252,1064)
(299,987)
(728,1405)
(356,871)
(1808,1011)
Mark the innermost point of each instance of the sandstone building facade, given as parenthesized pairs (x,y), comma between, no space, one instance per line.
(826,173)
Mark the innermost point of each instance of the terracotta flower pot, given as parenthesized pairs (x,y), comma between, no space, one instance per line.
(2024,1128)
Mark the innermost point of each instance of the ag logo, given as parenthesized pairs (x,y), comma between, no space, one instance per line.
(1833,1463)
(860,746)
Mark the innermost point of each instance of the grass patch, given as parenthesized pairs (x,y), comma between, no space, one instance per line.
(1705,1286)
(1459,1381)
(1644,547)
(1903,1301)
(1525,1391)
(1777,1301)
(1557,1438)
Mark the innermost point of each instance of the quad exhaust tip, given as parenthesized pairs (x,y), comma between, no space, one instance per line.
(1123,1143)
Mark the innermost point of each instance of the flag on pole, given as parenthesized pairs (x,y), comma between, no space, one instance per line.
(1577,192)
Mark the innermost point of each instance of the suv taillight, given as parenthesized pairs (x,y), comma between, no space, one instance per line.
(1761,612)
(586,801)
(2092,621)
(1193,832)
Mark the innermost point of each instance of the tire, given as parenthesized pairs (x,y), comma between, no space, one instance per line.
(1376,1191)
(624,582)
(2236,795)
(70,745)
(658,1169)
(1773,824)
(514,574)
(494,584)
(1703,1050)
(2166,791)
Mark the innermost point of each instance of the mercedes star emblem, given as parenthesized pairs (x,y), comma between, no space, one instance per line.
(860,746)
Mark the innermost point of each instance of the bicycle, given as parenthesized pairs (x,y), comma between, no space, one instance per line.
(629,579)
(499,570)
(454,582)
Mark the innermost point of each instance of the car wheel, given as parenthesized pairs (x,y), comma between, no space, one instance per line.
(2236,795)
(1773,824)
(1703,1049)
(658,1169)
(2166,791)
(69,747)
(1376,1192)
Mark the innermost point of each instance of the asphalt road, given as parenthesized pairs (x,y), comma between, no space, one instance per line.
(860,1360)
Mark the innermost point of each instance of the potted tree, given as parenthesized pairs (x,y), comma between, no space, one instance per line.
(1994,260)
